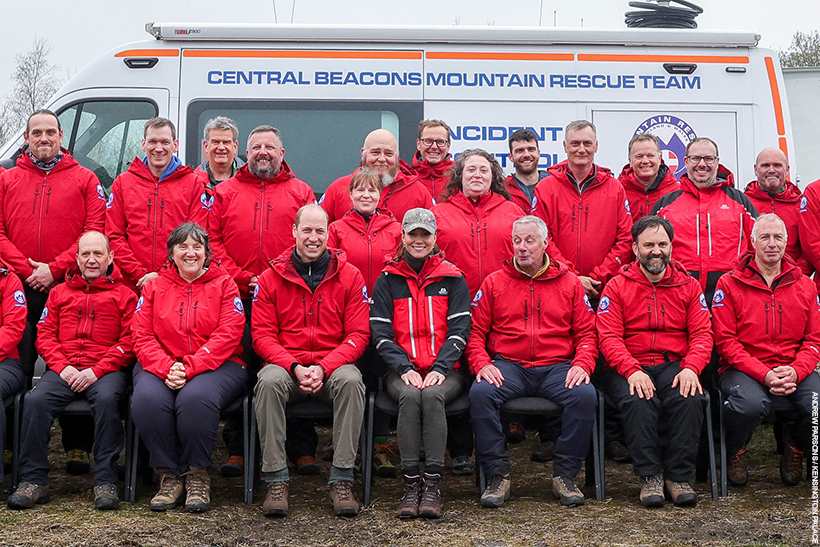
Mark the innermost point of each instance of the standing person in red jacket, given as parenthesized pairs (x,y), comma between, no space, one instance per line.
(153,197)
(432,160)
(766,318)
(310,325)
(524,155)
(188,340)
(809,218)
(646,178)
(219,147)
(655,334)
(712,219)
(401,190)
(85,340)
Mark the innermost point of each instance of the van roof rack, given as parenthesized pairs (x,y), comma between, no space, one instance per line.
(452,34)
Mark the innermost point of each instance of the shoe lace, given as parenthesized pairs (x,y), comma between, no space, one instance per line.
(737,457)
(27,488)
(683,487)
(431,492)
(569,485)
(654,480)
(195,484)
(411,489)
(795,462)
(276,491)
(495,483)
(106,490)
(76,454)
(167,484)
(344,490)
(382,455)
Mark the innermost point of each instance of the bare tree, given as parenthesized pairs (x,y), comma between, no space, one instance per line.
(804,50)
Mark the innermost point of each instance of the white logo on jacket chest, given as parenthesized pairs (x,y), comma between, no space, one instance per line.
(442,291)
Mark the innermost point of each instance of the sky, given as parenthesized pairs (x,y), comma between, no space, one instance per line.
(91,27)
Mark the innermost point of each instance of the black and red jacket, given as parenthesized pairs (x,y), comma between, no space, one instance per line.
(88,325)
(420,321)
(641,200)
(641,323)
(758,327)
(13,313)
(809,217)
(433,177)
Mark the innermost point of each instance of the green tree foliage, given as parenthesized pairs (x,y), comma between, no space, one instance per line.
(804,51)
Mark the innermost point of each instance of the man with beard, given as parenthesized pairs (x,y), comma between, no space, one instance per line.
(525,155)
(654,332)
(401,189)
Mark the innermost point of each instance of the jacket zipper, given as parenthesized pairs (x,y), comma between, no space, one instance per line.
(261,231)
(188,321)
(410,319)
(697,231)
(586,217)
(40,222)
(79,321)
(194,307)
(780,315)
(48,199)
(319,311)
(432,326)
(161,211)
(154,238)
(767,318)
(304,310)
(709,230)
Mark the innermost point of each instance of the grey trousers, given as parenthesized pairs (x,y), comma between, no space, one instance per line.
(422,423)
(344,389)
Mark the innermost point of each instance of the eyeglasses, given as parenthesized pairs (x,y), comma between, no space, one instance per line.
(709,160)
(441,143)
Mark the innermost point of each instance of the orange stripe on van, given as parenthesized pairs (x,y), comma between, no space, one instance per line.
(784,146)
(487,56)
(612,57)
(293,54)
(148,53)
(778,106)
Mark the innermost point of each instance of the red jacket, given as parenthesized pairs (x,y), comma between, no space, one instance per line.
(403,194)
(433,177)
(142,212)
(640,323)
(367,246)
(199,324)
(533,322)
(251,221)
(591,230)
(43,214)
(809,218)
(476,237)
(517,194)
(88,325)
(758,327)
(713,226)
(421,320)
(290,324)
(641,200)
(13,313)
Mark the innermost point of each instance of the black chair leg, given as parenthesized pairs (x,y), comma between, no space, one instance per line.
(367,449)
(251,475)
(710,437)
(15,443)
(132,442)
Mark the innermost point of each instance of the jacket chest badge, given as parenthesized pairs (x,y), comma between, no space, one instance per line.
(442,291)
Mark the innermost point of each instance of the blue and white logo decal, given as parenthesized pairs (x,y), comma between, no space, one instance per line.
(207,200)
(675,134)
(717,300)
(365,299)
(19,299)
(255,291)
(321,199)
(626,205)
(237,305)
(139,304)
(109,201)
(804,203)
(588,303)
(101,193)
(818,303)
(603,305)
(477,297)
(703,304)
(43,316)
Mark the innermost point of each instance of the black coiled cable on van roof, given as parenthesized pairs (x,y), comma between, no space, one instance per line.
(660,14)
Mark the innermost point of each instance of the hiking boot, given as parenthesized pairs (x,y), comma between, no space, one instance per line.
(515,433)
(106,498)
(544,453)
(234,467)
(737,472)
(652,491)
(76,462)
(409,504)
(463,465)
(170,491)
(197,490)
(430,504)
(565,490)
(344,504)
(617,452)
(276,500)
(496,492)
(28,495)
(791,462)
(681,493)
(382,465)
(306,465)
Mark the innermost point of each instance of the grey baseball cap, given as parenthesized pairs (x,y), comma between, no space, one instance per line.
(419,218)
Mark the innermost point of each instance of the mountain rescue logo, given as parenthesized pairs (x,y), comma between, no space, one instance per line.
(603,305)
(703,305)
(255,291)
(207,201)
(804,204)
(237,305)
(19,299)
(477,297)
(717,300)
(587,303)
(139,304)
(365,299)
(675,134)
(626,205)
(43,316)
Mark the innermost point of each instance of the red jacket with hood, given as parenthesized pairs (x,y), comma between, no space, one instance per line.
(290,324)
(13,313)
(199,324)
(142,212)
(590,227)
(433,177)
(88,325)
(758,327)
(517,194)
(43,214)
(476,236)
(421,321)
(809,217)
(533,322)
(641,200)
(641,323)
(251,221)
(368,245)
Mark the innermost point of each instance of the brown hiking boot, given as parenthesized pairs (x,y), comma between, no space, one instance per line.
(681,493)
(567,492)
(197,490)
(344,504)
(430,504)
(617,452)
(170,491)
(496,492)
(791,463)
(738,473)
(652,491)
(28,495)
(106,498)
(409,504)
(276,500)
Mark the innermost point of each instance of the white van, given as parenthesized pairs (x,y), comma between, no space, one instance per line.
(326,87)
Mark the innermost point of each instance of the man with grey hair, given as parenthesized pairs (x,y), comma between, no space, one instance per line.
(763,365)
(510,317)
(219,146)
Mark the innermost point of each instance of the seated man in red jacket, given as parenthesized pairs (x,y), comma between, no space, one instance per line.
(655,334)
(84,336)
(766,318)
(310,324)
(533,335)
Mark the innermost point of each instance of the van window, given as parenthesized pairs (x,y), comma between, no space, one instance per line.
(105,135)
(322,141)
